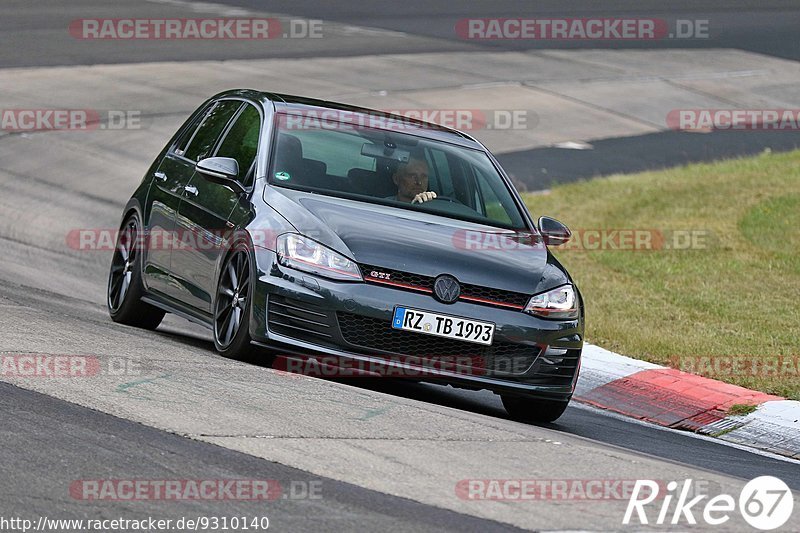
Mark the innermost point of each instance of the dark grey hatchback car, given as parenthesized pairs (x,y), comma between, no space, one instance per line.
(327,232)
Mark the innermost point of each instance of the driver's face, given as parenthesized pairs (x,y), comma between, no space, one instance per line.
(411,179)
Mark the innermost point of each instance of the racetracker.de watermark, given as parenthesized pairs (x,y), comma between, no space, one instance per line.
(738,365)
(400,119)
(521,490)
(107,239)
(32,120)
(45,365)
(210,489)
(397,366)
(589,240)
(580,490)
(127,29)
(777,119)
(581,29)
(36,365)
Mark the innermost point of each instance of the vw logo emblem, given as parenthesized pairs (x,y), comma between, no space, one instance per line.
(446,289)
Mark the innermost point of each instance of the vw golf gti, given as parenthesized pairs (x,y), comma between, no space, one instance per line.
(318,229)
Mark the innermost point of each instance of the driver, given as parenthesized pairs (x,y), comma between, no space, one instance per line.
(411,179)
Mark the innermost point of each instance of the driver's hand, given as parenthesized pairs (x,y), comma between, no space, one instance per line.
(423,197)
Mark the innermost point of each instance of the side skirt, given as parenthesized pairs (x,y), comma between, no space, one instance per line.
(172,306)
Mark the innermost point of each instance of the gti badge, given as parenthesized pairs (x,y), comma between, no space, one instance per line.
(379,275)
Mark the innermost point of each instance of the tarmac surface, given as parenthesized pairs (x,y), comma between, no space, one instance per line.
(387,454)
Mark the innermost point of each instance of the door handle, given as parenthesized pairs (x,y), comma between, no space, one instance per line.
(160,176)
(190,189)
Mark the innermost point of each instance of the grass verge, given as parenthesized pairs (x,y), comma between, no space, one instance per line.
(711,286)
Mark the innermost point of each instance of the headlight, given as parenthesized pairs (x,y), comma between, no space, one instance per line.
(302,253)
(561,303)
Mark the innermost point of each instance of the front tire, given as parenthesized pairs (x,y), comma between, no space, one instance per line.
(125,289)
(534,410)
(232,306)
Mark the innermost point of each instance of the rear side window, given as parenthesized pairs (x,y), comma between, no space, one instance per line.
(180,144)
(241,142)
(210,129)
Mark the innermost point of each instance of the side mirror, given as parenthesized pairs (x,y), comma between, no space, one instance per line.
(222,170)
(553,232)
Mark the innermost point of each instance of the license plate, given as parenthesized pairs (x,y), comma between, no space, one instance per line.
(452,327)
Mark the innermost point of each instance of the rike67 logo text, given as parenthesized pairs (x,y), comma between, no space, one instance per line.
(765,503)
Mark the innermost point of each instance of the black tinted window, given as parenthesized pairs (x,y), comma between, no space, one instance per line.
(188,131)
(213,124)
(241,142)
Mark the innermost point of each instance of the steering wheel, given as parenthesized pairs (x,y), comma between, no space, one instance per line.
(446,199)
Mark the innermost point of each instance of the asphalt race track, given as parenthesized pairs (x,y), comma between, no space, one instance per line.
(770,28)
(387,455)
(57,425)
(34,36)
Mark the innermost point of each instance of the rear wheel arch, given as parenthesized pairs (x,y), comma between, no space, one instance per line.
(124,297)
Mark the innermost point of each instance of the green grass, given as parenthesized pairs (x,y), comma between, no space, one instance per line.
(736,296)
(741,409)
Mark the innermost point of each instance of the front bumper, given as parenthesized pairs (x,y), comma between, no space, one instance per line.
(302,315)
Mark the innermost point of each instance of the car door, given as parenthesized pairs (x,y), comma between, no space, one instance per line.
(168,181)
(172,179)
(207,209)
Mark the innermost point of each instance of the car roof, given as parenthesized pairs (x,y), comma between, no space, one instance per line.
(316,108)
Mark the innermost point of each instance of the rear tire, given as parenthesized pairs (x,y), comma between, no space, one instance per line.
(534,410)
(125,289)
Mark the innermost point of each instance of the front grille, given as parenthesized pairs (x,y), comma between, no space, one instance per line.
(298,319)
(472,293)
(515,299)
(377,336)
(398,276)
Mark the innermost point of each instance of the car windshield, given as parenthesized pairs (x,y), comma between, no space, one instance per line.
(392,168)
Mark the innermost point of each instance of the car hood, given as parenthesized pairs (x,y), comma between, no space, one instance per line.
(422,243)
